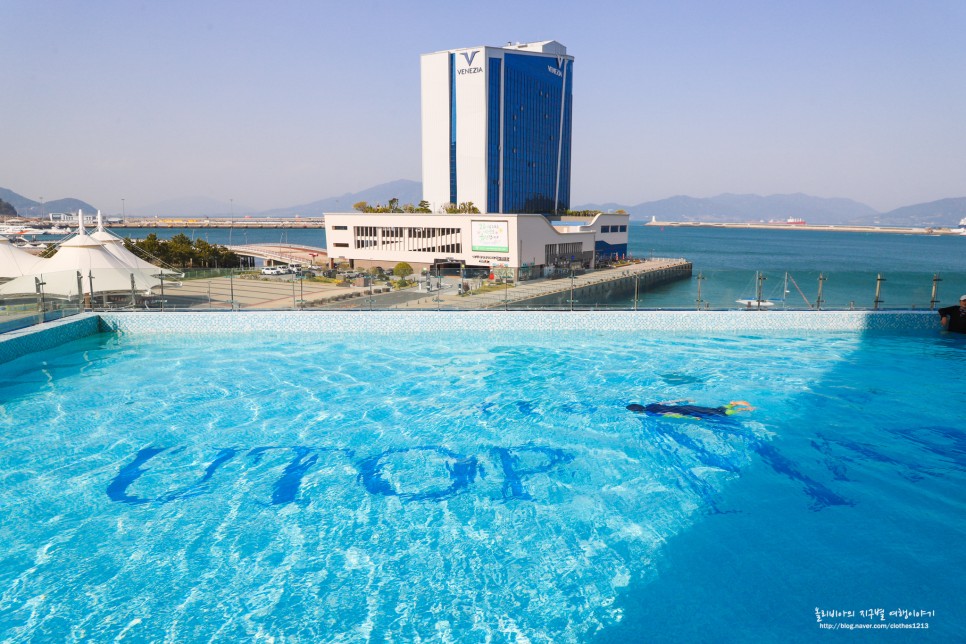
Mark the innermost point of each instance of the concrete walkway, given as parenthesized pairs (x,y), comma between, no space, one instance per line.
(517,296)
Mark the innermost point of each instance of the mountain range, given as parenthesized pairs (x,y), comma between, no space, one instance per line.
(722,208)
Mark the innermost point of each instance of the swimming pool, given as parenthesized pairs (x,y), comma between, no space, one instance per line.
(479,485)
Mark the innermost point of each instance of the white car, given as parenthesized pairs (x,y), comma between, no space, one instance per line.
(273,270)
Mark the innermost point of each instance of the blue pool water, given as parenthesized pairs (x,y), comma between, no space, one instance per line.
(471,487)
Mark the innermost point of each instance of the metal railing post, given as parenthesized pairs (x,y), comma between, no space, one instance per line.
(935,291)
(878,289)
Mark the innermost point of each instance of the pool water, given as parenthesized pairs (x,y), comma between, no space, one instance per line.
(472,487)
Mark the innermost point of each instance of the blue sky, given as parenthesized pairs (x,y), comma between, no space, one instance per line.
(274,104)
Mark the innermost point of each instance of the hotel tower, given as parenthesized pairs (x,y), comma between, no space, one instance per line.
(496,127)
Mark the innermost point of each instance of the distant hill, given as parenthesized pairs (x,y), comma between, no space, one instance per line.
(30,208)
(192,207)
(6,210)
(405,190)
(741,208)
(935,214)
(722,208)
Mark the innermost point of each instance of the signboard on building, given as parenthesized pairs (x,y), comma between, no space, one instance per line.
(490,236)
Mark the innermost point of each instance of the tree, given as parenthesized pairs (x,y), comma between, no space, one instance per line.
(205,252)
(150,245)
(394,204)
(180,249)
(403,270)
(361,206)
(7,210)
(620,211)
(423,206)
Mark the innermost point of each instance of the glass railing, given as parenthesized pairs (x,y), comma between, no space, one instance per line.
(20,313)
(643,286)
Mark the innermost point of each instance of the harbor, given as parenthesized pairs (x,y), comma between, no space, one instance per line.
(215,222)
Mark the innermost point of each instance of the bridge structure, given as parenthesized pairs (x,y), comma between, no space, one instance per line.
(273,254)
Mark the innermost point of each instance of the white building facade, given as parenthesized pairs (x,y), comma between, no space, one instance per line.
(496,127)
(529,243)
(496,132)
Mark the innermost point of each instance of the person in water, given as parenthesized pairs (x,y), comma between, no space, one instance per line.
(674,409)
(953,318)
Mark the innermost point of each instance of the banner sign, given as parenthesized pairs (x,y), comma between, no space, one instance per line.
(490,236)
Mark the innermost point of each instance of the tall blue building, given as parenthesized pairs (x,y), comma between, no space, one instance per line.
(496,127)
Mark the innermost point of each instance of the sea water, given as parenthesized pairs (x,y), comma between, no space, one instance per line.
(473,487)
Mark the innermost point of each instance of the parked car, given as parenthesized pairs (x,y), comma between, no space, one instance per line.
(273,270)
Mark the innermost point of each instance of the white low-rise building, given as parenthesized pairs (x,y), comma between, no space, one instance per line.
(529,245)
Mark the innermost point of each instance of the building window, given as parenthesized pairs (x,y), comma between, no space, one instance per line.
(340,228)
(605,229)
(341,245)
(623,229)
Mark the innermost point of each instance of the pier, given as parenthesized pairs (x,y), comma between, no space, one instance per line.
(213,222)
(591,289)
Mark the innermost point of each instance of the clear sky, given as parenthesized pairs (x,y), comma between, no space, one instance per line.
(279,103)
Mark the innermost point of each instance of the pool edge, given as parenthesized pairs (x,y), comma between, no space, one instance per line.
(15,344)
(21,342)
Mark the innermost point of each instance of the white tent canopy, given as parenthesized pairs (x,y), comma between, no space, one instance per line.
(16,262)
(115,246)
(88,256)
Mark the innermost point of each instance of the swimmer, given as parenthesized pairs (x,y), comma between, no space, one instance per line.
(673,409)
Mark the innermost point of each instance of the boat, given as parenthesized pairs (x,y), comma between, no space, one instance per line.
(15,230)
(758,303)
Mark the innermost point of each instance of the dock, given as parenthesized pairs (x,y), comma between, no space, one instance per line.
(213,222)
